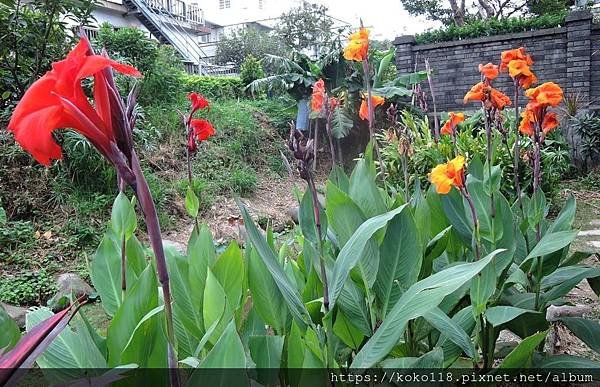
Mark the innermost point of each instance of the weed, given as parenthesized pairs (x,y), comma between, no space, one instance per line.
(27,288)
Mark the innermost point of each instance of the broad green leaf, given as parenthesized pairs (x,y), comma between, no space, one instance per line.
(347,332)
(521,356)
(140,299)
(229,270)
(266,297)
(105,272)
(451,330)
(435,248)
(464,319)
(352,251)
(201,256)
(147,345)
(433,359)
(215,302)
(564,220)
(266,350)
(192,204)
(187,319)
(418,300)
(482,288)
(295,348)
(383,66)
(286,287)
(228,352)
(562,288)
(136,259)
(72,349)
(9,332)
(482,203)
(123,219)
(352,303)
(587,330)
(363,188)
(400,257)
(551,242)
(498,315)
(566,362)
(454,209)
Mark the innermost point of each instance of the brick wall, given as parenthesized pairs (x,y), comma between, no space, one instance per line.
(565,55)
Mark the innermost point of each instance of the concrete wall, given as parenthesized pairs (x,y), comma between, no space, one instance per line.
(565,55)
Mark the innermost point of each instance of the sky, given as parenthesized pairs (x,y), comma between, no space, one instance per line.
(385,18)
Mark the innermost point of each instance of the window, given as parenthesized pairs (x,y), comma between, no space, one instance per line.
(260,4)
(224,4)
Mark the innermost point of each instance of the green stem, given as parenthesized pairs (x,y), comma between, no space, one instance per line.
(371,117)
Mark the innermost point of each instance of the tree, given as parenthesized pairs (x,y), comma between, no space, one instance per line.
(306,26)
(237,45)
(33,35)
(459,12)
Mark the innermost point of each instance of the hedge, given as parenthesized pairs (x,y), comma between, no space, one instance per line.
(491,27)
(214,87)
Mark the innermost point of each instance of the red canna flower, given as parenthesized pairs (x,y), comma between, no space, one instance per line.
(57,101)
(318,96)
(200,130)
(333,103)
(198,102)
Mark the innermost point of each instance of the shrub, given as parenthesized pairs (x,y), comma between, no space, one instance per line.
(490,27)
(214,87)
(163,82)
(251,70)
(129,43)
(588,128)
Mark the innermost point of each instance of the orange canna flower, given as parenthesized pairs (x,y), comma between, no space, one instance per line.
(489,71)
(453,120)
(516,54)
(477,93)
(546,94)
(529,119)
(358,45)
(444,176)
(363,112)
(499,100)
(485,93)
(550,122)
(519,70)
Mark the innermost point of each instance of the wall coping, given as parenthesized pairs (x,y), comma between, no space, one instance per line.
(485,39)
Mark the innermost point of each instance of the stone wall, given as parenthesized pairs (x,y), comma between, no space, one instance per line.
(565,55)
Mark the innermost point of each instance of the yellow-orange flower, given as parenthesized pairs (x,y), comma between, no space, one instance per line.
(358,45)
(550,122)
(363,112)
(318,96)
(516,54)
(519,69)
(489,71)
(546,94)
(445,176)
(453,120)
(486,93)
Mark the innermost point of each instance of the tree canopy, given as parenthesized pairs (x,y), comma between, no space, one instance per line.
(234,47)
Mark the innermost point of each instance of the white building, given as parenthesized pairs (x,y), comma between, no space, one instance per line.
(180,23)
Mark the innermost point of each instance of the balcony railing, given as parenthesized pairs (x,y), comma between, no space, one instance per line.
(178,9)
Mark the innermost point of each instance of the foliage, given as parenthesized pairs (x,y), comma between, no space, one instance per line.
(251,70)
(459,12)
(130,43)
(235,46)
(35,34)
(479,28)
(305,27)
(29,288)
(214,87)
(471,140)
(159,63)
(587,128)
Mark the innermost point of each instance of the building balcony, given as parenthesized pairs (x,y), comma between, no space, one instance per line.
(178,9)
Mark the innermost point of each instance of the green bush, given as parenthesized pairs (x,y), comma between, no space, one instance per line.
(251,70)
(130,43)
(490,27)
(214,87)
(28,288)
(163,82)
